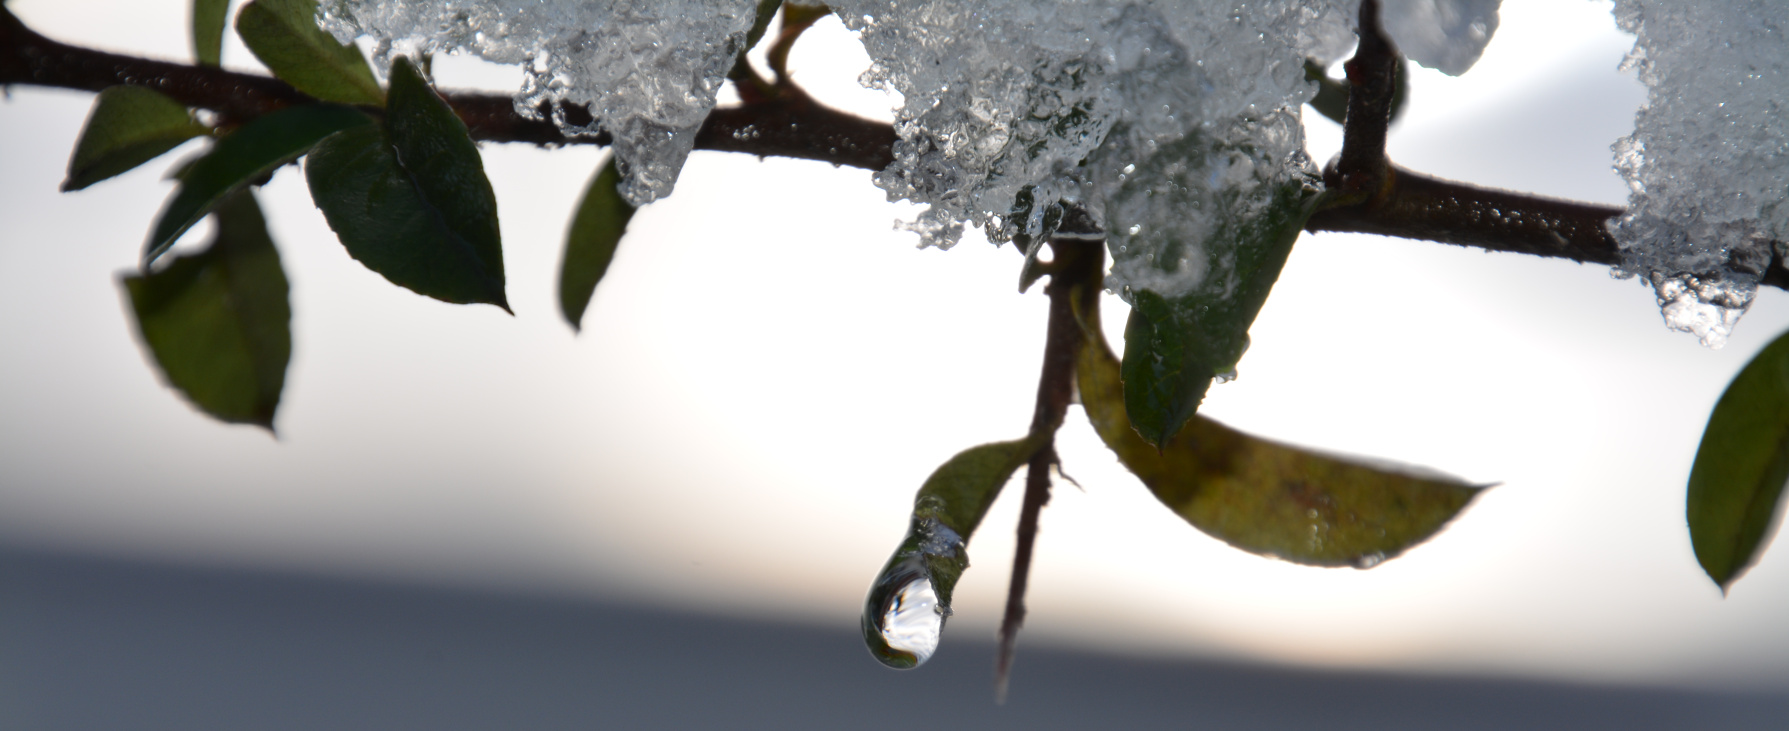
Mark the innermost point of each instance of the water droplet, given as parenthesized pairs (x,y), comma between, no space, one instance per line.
(1369,560)
(902,619)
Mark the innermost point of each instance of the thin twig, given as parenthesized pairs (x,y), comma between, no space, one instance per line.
(1075,261)
(1372,86)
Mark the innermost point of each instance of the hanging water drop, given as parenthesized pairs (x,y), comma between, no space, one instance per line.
(903,618)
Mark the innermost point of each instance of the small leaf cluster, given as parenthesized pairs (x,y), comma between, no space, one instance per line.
(392,168)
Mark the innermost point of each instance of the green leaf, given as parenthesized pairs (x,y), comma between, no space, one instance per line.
(129,126)
(1174,347)
(208,30)
(1261,496)
(590,244)
(217,322)
(797,18)
(946,512)
(410,199)
(285,36)
(1332,95)
(249,154)
(761,22)
(1741,467)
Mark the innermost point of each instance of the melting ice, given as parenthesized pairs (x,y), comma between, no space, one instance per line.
(1708,163)
(1012,107)
(648,70)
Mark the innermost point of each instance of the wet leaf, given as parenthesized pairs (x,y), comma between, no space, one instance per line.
(208,30)
(410,200)
(250,153)
(1261,496)
(285,36)
(1741,467)
(1174,348)
(596,229)
(217,323)
(900,624)
(129,126)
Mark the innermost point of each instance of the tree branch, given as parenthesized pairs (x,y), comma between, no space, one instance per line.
(790,125)
(1373,195)
(1369,194)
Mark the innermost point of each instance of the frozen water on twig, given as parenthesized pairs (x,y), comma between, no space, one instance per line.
(1708,163)
(1166,120)
(647,70)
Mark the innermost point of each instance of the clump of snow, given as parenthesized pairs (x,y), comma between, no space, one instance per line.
(1708,163)
(1445,35)
(1163,119)
(1168,121)
(648,70)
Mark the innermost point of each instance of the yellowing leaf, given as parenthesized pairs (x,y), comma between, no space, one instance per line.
(1261,496)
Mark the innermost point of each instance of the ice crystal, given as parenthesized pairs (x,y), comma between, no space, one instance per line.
(1165,120)
(1708,163)
(647,70)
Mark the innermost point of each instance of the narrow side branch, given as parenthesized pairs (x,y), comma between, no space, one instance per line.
(1075,262)
(1372,86)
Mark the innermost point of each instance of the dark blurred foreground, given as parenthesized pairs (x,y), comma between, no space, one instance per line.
(94,644)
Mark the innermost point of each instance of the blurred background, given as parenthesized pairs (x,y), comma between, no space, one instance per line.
(470,520)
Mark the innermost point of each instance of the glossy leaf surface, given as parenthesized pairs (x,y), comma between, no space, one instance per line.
(208,30)
(285,36)
(409,199)
(1261,496)
(250,153)
(129,126)
(1741,467)
(596,230)
(1175,347)
(218,323)
(910,598)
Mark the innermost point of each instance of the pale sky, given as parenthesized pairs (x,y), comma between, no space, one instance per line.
(769,372)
